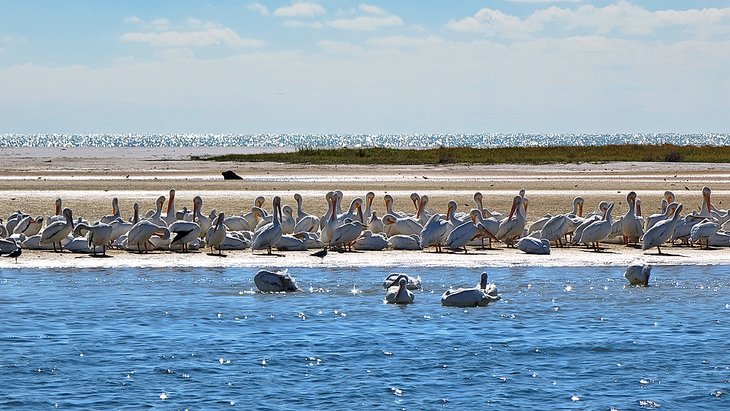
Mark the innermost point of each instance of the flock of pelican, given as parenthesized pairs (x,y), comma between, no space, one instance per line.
(398,287)
(361,227)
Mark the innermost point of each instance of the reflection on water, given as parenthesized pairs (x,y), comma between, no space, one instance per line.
(560,338)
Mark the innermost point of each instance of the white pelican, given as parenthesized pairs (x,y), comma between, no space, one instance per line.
(369,198)
(399,294)
(590,219)
(98,235)
(198,217)
(58,216)
(631,224)
(34,243)
(478,296)
(405,242)
(392,280)
(156,217)
(251,216)
(490,223)
(141,232)
(116,213)
(371,242)
(388,199)
(655,218)
(460,236)
(267,236)
(236,223)
(375,223)
(292,242)
(274,281)
(183,233)
(216,234)
(305,221)
(171,215)
(703,231)
(353,212)
(29,226)
(598,230)
(345,234)
(234,240)
(558,226)
(394,225)
(57,231)
(9,245)
(638,274)
(661,231)
(331,223)
(486,213)
(532,245)
(329,197)
(287,220)
(435,232)
(513,226)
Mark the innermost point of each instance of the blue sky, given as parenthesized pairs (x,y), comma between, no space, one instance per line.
(344,66)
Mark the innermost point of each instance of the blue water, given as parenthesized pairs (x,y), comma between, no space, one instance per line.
(561,338)
(356,140)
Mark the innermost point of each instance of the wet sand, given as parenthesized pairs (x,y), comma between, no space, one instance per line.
(87,179)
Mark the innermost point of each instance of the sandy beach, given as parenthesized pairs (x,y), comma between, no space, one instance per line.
(87,179)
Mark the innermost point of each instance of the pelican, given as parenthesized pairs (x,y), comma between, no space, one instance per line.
(183,233)
(234,240)
(478,296)
(141,232)
(274,281)
(236,223)
(116,213)
(330,224)
(435,232)
(631,223)
(251,216)
(305,221)
(353,212)
(655,218)
(486,213)
(512,227)
(156,217)
(171,215)
(399,294)
(591,218)
(287,220)
(598,230)
(661,231)
(216,234)
(388,199)
(292,242)
(394,225)
(490,223)
(369,198)
(405,242)
(57,231)
(392,280)
(267,236)
(703,231)
(370,241)
(532,245)
(198,217)
(375,224)
(98,235)
(58,216)
(558,226)
(464,233)
(638,274)
(345,234)
(29,226)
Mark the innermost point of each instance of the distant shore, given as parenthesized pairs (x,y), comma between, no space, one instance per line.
(87,179)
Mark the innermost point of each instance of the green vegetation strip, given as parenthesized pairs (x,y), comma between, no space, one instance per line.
(505,155)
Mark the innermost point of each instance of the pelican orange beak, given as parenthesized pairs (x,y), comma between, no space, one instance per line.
(707,201)
(580,209)
(512,211)
(638,209)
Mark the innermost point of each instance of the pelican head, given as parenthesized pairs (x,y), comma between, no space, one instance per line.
(483,281)
(415,198)
(669,196)
(578,204)
(259,201)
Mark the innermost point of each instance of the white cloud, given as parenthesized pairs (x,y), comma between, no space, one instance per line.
(366,23)
(300,10)
(370,9)
(211,35)
(160,23)
(404,41)
(307,24)
(259,8)
(132,20)
(621,17)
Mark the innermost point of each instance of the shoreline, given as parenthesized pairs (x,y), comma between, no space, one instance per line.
(87,179)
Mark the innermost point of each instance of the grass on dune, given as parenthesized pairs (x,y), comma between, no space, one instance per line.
(504,155)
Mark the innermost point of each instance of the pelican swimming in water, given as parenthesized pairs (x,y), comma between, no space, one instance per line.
(478,296)
(399,294)
(267,236)
(274,281)
(414,283)
(638,274)
(98,235)
(57,231)
(662,231)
